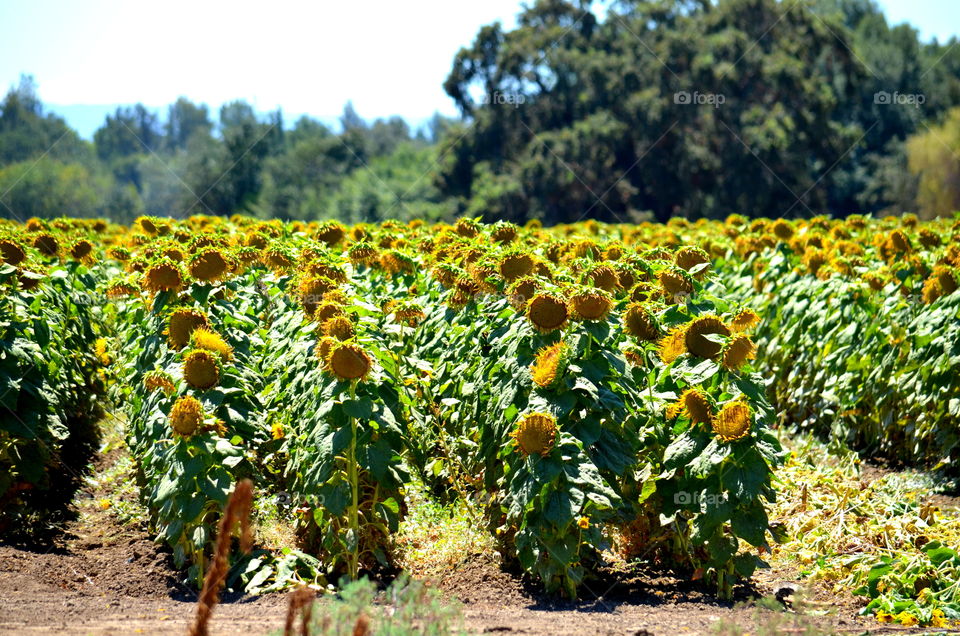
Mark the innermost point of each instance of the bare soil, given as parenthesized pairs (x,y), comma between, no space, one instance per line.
(99,577)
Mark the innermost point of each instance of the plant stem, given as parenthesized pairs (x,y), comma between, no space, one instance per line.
(353,477)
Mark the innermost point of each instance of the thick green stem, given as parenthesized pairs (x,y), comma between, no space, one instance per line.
(353,477)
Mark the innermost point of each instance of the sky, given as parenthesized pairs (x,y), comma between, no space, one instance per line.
(388,57)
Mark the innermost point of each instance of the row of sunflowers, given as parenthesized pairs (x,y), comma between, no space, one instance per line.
(602,388)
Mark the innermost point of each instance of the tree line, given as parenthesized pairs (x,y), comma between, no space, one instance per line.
(644,109)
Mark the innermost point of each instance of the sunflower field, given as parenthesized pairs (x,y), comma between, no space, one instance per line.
(602,389)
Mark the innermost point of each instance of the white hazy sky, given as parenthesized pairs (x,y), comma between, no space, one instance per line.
(389,57)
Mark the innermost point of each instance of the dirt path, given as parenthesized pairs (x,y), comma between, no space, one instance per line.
(100,577)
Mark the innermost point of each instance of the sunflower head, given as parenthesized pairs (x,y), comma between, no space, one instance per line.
(326,310)
(330,233)
(209,340)
(590,304)
(324,346)
(46,244)
(521,291)
(898,242)
(694,404)
(201,369)
(467,228)
(186,416)
(782,229)
(733,421)
(931,290)
(744,320)
(547,312)
(181,325)
(210,265)
(82,250)
(603,277)
(162,275)
(814,259)
(535,434)
(408,312)
(311,291)
(737,351)
(947,278)
(12,252)
(673,345)
(348,361)
(503,232)
(687,258)
(338,327)
(640,322)
(159,380)
(515,264)
(361,252)
(121,288)
(549,364)
(696,332)
(675,283)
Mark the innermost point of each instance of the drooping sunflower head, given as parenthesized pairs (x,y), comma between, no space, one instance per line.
(201,369)
(408,312)
(696,335)
(159,380)
(675,283)
(694,404)
(737,351)
(503,232)
(744,320)
(12,251)
(549,364)
(181,325)
(640,321)
(361,252)
(515,264)
(186,416)
(673,345)
(210,265)
(521,291)
(326,310)
(588,303)
(643,292)
(81,250)
(396,262)
(782,229)
(338,327)
(311,291)
(330,232)
(547,312)
(348,361)
(603,277)
(324,346)
(688,258)
(46,244)
(898,242)
(535,434)
(931,291)
(128,286)
(733,421)
(209,340)
(947,278)
(814,259)
(162,275)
